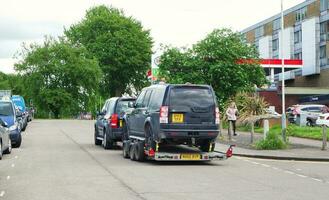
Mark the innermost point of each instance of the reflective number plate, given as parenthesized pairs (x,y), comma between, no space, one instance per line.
(177,118)
(120,123)
(190,156)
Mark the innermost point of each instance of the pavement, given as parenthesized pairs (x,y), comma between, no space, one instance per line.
(299,148)
(58,160)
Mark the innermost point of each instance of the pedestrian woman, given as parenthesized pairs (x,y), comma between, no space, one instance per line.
(231,114)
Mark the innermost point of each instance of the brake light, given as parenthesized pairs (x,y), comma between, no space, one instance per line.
(217,115)
(164,115)
(114,121)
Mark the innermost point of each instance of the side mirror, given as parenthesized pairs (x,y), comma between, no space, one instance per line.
(3,123)
(131,104)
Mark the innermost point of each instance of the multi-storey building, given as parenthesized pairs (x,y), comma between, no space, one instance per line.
(306,37)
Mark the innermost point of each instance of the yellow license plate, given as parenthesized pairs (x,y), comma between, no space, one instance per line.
(177,118)
(190,156)
(120,123)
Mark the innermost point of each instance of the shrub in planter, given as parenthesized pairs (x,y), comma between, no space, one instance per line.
(272,142)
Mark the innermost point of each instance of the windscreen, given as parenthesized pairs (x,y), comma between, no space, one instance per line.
(191,97)
(122,106)
(6,109)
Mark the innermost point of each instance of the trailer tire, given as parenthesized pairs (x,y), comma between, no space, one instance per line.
(125,149)
(132,150)
(139,151)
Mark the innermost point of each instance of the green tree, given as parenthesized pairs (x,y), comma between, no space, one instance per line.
(121,45)
(213,61)
(60,77)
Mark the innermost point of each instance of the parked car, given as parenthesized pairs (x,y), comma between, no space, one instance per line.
(30,111)
(5,142)
(323,119)
(312,111)
(20,103)
(108,125)
(10,115)
(174,114)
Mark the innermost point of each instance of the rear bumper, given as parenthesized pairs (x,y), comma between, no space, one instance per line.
(188,134)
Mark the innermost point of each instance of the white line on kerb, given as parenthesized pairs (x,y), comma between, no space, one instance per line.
(2,193)
(13,165)
(317,179)
(8,177)
(300,175)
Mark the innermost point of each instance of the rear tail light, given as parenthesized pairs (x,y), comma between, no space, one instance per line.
(164,115)
(217,115)
(113,121)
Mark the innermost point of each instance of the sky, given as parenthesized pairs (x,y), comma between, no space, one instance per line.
(172,22)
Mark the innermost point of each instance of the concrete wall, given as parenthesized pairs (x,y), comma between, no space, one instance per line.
(318,80)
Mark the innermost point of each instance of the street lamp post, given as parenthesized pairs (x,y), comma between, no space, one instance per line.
(283,123)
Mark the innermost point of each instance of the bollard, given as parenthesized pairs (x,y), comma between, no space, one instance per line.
(324,137)
(230,130)
(252,132)
(266,127)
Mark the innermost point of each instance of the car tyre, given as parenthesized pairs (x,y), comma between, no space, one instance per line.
(8,150)
(0,150)
(107,143)
(97,141)
(205,147)
(18,142)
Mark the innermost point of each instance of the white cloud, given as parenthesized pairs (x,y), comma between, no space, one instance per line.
(176,22)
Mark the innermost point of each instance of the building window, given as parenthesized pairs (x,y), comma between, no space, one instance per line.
(298,56)
(324,27)
(275,45)
(276,24)
(301,14)
(324,5)
(259,32)
(323,52)
(298,37)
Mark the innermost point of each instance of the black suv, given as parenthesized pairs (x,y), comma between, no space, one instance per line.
(175,114)
(108,125)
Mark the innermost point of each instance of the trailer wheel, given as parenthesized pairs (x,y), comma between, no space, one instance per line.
(132,150)
(139,151)
(125,149)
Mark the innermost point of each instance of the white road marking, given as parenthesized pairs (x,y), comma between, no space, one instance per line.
(317,179)
(8,177)
(300,175)
(239,158)
(16,157)
(264,165)
(13,165)
(289,172)
(275,168)
(299,169)
(256,163)
(2,193)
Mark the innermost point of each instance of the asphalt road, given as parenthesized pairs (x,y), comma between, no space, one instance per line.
(58,161)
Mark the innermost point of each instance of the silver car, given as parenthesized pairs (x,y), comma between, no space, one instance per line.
(5,142)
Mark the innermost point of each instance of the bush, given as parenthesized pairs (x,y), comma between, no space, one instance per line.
(272,142)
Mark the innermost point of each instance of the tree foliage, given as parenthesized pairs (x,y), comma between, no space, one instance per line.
(121,45)
(213,61)
(60,77)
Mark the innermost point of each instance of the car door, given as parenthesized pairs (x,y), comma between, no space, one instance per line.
(5,137)
(134,114)
(143,113)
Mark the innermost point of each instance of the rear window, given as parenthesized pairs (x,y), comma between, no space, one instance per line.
(191,96)
(122,106)
(6,109)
